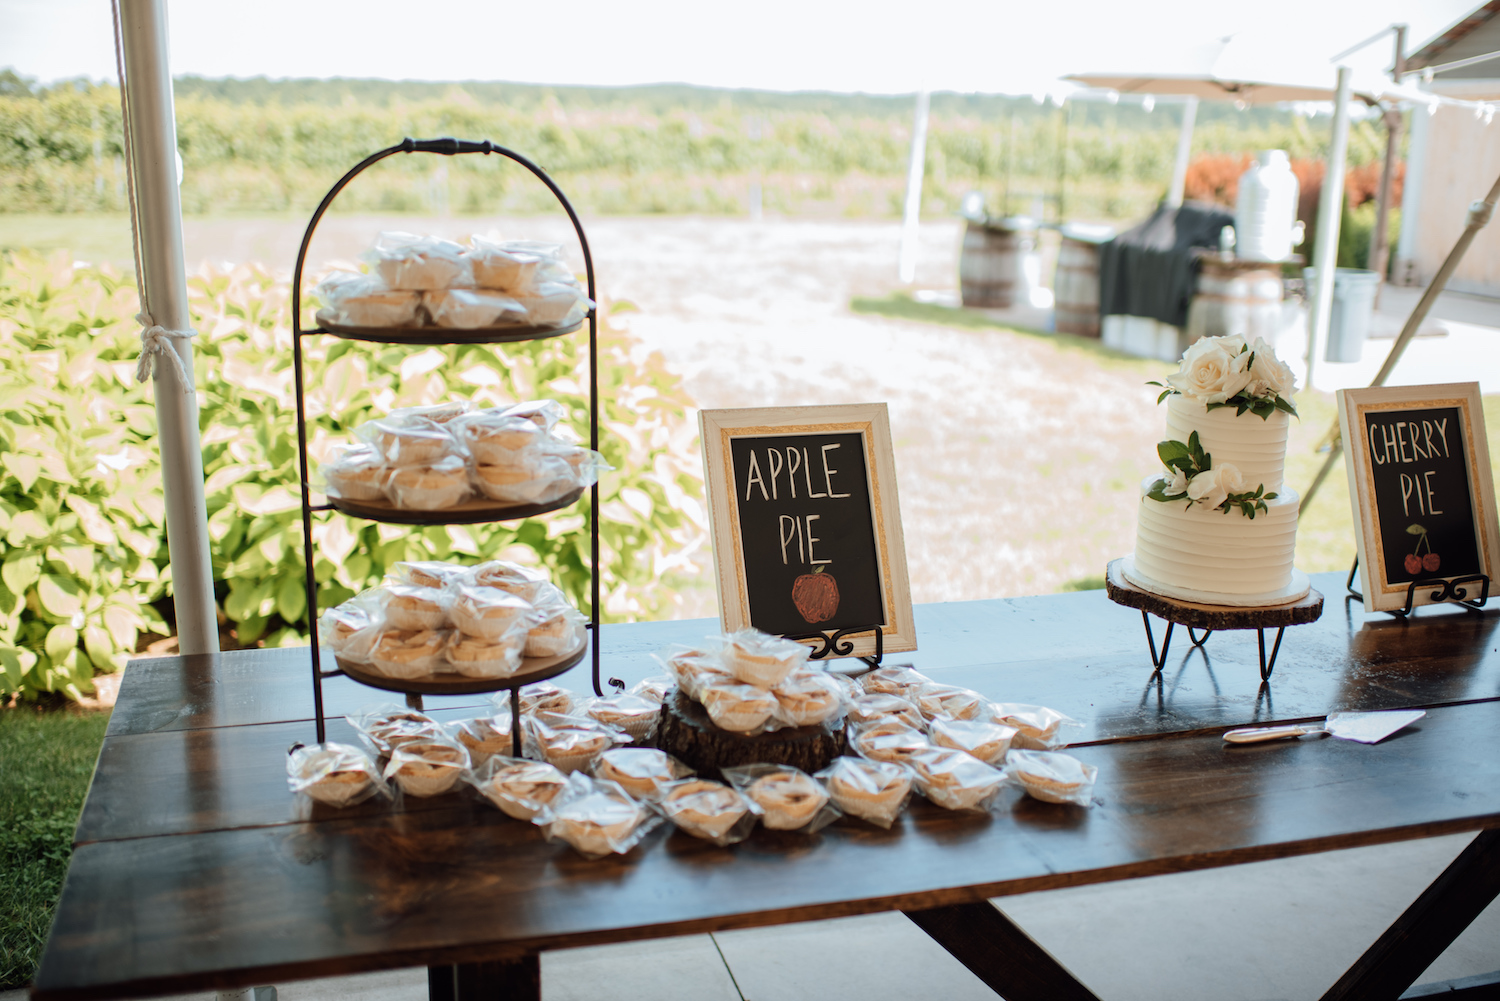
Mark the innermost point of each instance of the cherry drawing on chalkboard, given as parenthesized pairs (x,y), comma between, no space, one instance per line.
(1416,561)
(816,596)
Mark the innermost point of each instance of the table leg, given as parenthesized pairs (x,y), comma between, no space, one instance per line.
(501,980)
(1429,926)
(998,952)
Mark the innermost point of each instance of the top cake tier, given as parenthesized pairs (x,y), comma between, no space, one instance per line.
(1256,447)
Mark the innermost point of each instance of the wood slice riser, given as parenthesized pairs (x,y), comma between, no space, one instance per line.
(686,732)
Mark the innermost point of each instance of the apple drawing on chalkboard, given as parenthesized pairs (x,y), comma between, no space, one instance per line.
(1416,561)
(816,596)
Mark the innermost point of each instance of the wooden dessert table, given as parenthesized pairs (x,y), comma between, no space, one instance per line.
(196,869)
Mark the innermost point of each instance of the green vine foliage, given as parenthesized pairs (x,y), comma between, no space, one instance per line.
(84,548)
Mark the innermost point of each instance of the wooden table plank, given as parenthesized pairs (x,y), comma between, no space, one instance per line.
(1079,653)
(235,907)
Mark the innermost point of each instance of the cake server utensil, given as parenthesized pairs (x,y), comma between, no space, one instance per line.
(1367,728)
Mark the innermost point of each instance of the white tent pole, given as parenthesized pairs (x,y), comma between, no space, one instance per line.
(909,231)
(1330,207)
(1184,151)
(152,143)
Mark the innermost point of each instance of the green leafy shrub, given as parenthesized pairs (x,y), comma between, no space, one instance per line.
(84,548)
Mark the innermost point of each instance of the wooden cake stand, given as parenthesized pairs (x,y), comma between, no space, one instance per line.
(1210,617)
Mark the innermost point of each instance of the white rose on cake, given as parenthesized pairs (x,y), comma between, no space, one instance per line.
(1213,370)
(1269,375)
(1213,486)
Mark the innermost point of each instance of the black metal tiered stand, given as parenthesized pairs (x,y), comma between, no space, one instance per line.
(532,669)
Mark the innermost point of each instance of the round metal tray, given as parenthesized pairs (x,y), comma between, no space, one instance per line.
(532,669)
(470,512)
(440,335)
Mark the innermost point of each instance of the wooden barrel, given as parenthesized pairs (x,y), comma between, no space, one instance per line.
(1236,297)
(989,266)
(1075,288)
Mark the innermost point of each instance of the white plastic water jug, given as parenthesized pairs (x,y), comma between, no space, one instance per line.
(1266,209)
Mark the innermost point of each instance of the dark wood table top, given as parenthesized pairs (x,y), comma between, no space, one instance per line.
(197,869)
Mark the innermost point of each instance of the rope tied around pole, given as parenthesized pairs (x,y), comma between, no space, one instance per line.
(157,351)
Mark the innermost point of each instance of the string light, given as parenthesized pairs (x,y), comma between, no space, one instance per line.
(1149,103)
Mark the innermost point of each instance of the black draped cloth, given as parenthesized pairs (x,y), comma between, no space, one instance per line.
(1151,270)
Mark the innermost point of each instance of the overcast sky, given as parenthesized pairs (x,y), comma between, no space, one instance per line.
(998,46)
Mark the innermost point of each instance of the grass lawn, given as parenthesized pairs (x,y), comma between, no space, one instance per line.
(46,759)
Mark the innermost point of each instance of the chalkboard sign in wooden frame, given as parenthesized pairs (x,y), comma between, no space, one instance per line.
(1420,488)
(807,524)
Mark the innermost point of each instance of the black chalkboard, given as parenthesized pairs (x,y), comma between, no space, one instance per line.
(807,532)
(1424,507)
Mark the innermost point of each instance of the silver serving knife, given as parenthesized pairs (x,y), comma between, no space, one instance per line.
(1367,728)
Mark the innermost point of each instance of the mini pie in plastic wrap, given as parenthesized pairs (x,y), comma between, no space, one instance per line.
(355,472)
(408,654)
(351,299)
(473,309)
(498,438)
(427,767)
(789,798)
(760,659)
(889,740)
(545,697)
(350,629)
(955,780)
(876,791)
(984,740)
(695,666)
(391,724)
(808,697)
(596,818)
(482,657)
(738,707)
(1039,728)
(556,627)
(335,774)
(484,736)
(524,582)
(437,413)
(895,679)
(1051,776)
(948,702)
(427,573)
(655,688)
(509,266)
(411,606)
(408,261)
(554,304)
(519,787)
(410,440)
(871,707)
(635,715)
(709,810)
(545,414)
(434,487)
(488,612)
(571,743)
(643,772)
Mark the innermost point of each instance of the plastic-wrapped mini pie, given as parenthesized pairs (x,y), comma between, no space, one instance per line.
(478,657)
(351,628)
(895,679)
(655,688)
(484,737)
(520,788)
(390,725)
(737,707)
(427,767)
(441,485)
(410,441)
(984,740)
(489,613)
(408,261)
(545,697)
(335,774)
(789,799)
(351,299)
(949,702)
(889,740)
(496,438)
(631,713)
(409,654)
(512,578)
(955,780)
(871,790)
(554,304)
(807,698)
(596,818)
(694,667)
(761,659)
(437,413)
(556,627)
(510,267)
(640,771)
(531,483)
(428,573)
(355,472)
(873,706)
(571,743)
(473,309)
(709,810)
(409,606)
(545,414)
(1052,777)
(1039,728)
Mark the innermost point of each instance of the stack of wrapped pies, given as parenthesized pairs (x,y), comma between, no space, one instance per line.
(439,618)
(436,457)
(419,282)
(752,682)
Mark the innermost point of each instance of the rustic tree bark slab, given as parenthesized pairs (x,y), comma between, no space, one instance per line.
(686,732)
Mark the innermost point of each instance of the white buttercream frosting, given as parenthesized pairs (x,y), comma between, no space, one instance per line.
(1257,447)
(1205,549)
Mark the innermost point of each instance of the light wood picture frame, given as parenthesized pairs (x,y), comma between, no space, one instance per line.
(805,539)
(1421,489)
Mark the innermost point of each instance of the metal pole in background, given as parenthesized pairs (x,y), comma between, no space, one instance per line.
(1380,250)
(1330,207)
(909,231)
(1184,151)
(151,123)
